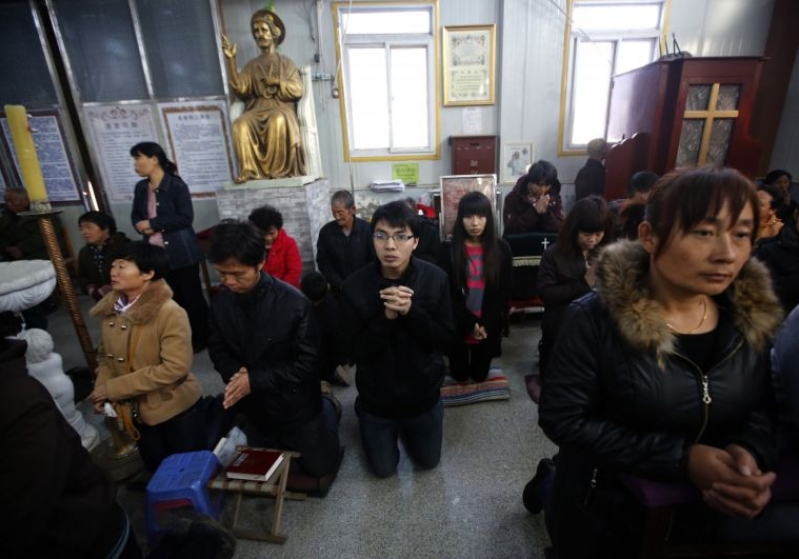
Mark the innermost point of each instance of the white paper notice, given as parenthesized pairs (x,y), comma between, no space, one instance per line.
(472,121)
(116,129)
(53,160)
(196,134)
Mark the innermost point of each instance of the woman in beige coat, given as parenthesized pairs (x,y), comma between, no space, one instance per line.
(145,354)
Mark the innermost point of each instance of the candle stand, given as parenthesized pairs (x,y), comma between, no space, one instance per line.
(118,455)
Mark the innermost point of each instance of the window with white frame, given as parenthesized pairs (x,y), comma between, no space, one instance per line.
(605,38)
(389,94)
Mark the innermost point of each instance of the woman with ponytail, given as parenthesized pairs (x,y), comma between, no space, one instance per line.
(163,214)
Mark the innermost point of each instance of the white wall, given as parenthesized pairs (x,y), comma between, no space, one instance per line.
(530,35)
(720,27)
(299,18)
(530,51)
(533,37)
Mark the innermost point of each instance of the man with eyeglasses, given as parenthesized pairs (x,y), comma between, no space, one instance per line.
(264,343)
(344,244)
(397,319)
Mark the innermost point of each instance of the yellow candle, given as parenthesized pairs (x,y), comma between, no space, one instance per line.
(26,152)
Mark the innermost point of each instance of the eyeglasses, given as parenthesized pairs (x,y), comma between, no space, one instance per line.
(398,238)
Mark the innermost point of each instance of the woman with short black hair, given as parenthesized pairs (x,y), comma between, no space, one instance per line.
(144,357)
(99,230)
(282,255)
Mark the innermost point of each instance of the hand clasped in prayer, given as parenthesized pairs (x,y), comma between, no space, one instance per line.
(397,300)
(237,388)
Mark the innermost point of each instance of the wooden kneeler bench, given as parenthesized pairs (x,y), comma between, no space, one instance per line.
(274,487)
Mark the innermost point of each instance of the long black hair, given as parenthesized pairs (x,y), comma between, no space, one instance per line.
(475,203)
(589,215)
(151,149)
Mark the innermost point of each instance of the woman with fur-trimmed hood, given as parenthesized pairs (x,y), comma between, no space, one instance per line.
(145,354)
(664,371)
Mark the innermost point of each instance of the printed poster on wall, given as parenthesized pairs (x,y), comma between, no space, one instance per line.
(59,180)
(116,129)
(197,140)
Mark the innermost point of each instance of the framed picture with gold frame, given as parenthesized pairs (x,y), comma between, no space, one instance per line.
(469,64)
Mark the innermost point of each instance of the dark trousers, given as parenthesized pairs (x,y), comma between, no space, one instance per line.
(316,440)
(188,293)
(421,436)
(36,316)
(182,433)
(470,361)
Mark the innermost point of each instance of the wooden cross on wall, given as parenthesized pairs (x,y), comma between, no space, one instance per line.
(709,115)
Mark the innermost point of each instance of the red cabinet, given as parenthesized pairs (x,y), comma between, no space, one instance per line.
(473,155)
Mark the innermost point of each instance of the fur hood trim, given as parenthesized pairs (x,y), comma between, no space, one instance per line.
(621,271)
(145,308)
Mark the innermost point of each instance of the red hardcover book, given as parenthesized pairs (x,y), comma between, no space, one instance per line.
(254,464)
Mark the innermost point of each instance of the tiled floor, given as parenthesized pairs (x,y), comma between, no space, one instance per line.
(469,506)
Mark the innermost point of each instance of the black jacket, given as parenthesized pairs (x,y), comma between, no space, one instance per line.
(88,272)
(400,366)
(273,332)
(54,500)
(174,218)
(590,180)
(339,255)
(495,298)
(780,254)
(620,395)
(23,232)
(519,215)
(560,281)
(429,240)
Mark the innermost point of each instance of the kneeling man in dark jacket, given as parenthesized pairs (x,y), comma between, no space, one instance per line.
(397,317)
(264,343)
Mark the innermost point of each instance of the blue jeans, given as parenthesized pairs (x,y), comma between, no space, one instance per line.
(421,436)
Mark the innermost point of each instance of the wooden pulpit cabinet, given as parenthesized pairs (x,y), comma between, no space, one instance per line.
(682,112)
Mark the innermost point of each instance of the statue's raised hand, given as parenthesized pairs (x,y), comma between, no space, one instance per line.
(228,48)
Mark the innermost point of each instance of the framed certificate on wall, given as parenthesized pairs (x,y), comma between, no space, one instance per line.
(469,63)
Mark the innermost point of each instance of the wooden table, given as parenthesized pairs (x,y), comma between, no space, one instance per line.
(274,487)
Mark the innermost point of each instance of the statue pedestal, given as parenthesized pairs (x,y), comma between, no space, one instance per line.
(290,182)
(303,201)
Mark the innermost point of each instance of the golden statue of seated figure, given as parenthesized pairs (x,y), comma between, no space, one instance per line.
(266,136)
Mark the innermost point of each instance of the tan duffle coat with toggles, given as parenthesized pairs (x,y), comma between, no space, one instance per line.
(159,380)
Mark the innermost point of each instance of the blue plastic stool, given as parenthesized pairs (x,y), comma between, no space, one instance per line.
(181,480)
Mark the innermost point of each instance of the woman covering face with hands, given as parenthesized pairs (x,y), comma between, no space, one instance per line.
(664,371)
(534,204)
